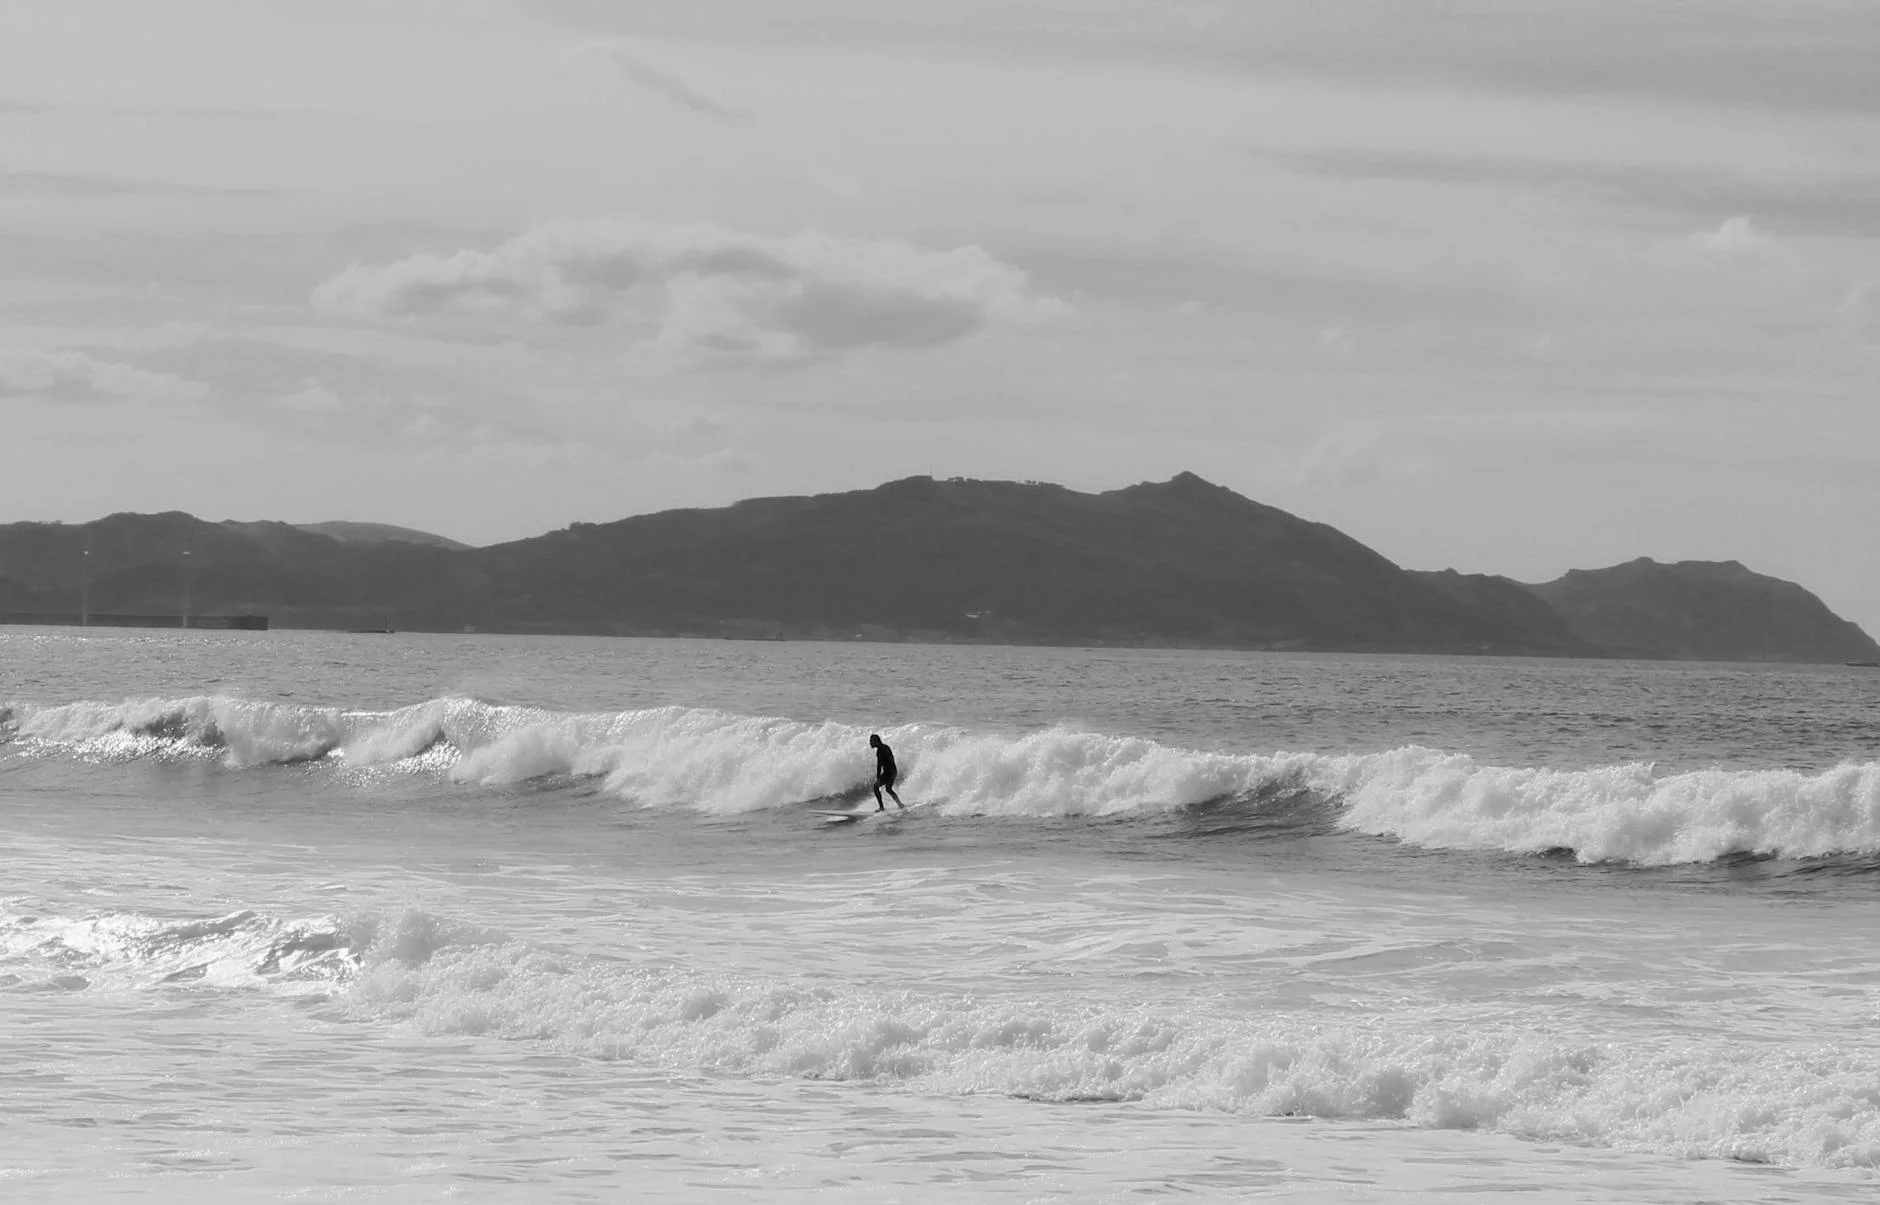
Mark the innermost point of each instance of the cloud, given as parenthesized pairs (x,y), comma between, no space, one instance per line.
(1742,264)
(703,289)
(661,82)
(1805,55)
(1737,236)
(74,378)
(1351,455)
(352,398)
(728,460)
(732,461)
(311,398)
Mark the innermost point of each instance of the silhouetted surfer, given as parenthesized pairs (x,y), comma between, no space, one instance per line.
(885,773)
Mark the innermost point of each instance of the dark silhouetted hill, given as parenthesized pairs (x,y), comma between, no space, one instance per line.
(1512,604)
(172,562)
(1702,610)
(1179,562)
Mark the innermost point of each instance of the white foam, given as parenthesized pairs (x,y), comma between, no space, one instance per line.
(133,951)
(720,762)
(1794,1105)
(1798,1104)
(1609,813)
(241,731)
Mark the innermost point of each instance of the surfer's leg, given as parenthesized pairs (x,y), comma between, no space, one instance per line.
(880,806)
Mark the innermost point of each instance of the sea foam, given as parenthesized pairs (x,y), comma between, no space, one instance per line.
(1606,813)
(1799,1105)
(724,763)
(133,951)
(1791,1105)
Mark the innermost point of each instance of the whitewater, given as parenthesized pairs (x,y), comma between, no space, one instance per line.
(420,917)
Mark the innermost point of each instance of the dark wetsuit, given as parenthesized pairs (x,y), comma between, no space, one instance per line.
(885,774)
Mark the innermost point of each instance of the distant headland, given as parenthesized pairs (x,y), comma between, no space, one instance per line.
(1178,563)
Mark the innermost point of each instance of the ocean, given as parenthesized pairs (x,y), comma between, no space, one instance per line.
(297,915)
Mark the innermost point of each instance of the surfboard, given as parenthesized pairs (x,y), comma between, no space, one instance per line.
(833,817)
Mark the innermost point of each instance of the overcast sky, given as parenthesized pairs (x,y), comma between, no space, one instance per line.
(1512,286)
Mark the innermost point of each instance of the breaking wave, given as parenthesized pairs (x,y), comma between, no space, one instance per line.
(1793,1106)
(131,950)
(723,763)
(1796,1104)
(1624,813)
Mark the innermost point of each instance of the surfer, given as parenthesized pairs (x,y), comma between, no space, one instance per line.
(885,773)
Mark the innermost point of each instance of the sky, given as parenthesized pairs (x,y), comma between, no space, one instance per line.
(1510,287)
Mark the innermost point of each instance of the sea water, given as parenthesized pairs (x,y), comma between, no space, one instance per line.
(416,917)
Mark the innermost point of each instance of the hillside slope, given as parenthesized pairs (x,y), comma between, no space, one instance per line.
(1178,562)
(1702,610)
(378,533)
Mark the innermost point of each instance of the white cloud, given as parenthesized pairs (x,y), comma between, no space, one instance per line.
(1737,236)
(728,460)
(75,378)
(310,398)
(704,289)
(1351,455)
(426,429)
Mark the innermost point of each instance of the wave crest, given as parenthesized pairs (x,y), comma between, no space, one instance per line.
(725,763)
(243,732)
(1623,813)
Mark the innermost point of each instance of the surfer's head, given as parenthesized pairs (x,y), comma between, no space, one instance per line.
(874,741)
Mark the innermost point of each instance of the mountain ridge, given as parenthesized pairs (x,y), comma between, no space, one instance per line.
(1679,607)
(354,532)
(1177,562)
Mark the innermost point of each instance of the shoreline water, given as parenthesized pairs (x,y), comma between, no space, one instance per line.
(552,917)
